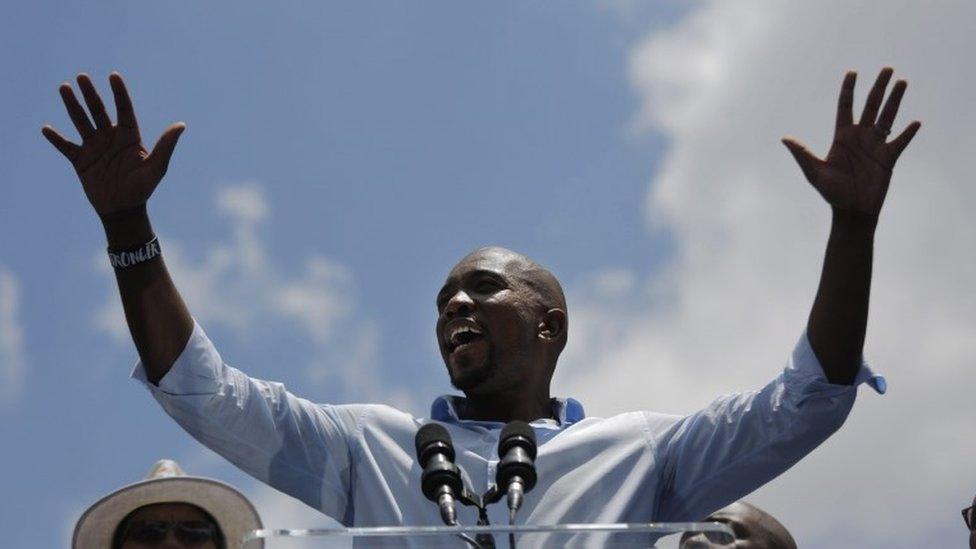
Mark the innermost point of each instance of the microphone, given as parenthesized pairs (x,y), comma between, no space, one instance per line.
(441,479)
(516,470)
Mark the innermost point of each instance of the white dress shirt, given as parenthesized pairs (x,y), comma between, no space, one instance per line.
(357,463)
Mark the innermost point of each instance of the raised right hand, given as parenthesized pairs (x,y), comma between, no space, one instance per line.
(855,174)
(115,169)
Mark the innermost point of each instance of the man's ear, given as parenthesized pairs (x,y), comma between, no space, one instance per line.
(553,326)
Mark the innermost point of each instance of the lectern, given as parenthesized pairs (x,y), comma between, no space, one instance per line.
(643,535)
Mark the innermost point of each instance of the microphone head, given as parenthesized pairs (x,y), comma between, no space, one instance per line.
(517,433)
(431,438)
(517,451)
(435,453)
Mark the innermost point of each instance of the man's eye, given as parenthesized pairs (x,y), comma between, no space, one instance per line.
(487,286)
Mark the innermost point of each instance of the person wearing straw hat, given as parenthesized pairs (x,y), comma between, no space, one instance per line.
(168,509)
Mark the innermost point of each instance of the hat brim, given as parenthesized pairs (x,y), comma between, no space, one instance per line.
(234,514)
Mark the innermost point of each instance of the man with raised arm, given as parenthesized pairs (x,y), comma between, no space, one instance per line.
(501,326)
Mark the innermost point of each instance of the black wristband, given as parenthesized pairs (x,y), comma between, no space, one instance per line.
(122,259)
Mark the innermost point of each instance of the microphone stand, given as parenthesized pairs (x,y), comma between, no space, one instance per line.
(481,541)
(492,496)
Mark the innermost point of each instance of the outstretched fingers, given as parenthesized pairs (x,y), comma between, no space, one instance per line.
(159,157)
(67,148)
(125,114)
(890,110)
(94,102)
(808,162)
(845,103)
(875,96)
(898,144)
(75,111)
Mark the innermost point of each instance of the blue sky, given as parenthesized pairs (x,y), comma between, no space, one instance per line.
(339,158)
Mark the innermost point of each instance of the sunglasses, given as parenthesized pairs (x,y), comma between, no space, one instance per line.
(191,532)
(968,515)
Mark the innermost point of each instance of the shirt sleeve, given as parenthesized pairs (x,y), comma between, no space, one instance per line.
(300,448)
(739,442)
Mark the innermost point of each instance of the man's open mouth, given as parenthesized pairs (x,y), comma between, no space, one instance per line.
(461,333)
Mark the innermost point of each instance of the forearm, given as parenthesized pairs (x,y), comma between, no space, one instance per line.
(838,320)
(158,320)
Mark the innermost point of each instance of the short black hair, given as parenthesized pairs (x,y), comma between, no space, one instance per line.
(118,537)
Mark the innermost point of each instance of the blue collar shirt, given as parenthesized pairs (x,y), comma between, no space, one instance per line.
(357,463)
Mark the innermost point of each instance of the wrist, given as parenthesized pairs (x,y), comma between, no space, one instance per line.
(127,228)
(123,259)
(847,222)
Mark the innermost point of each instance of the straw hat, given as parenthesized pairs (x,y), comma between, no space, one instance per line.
(167,483)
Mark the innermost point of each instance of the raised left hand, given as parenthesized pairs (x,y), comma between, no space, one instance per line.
(854,176)
(116,170)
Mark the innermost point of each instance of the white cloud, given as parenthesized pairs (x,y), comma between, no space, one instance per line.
(245,202)
(724,85)
(318,299)
(13,364)
(236,285)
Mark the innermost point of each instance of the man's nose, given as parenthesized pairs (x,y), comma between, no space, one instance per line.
(697,541)
(459,304)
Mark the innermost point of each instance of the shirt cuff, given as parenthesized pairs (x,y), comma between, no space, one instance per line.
(196,371)
(805,372)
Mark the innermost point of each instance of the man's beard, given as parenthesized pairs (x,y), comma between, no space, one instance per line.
(471,379)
